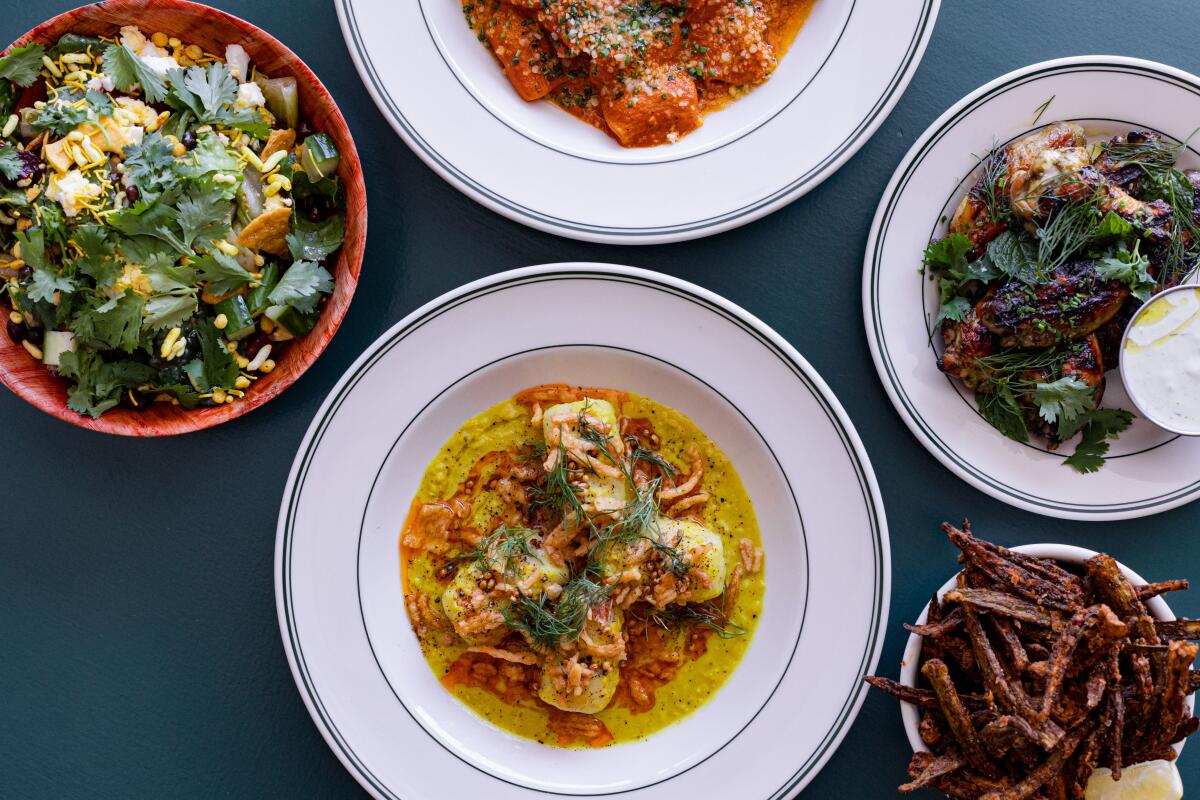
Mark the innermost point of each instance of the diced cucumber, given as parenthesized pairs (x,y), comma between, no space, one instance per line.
(283,99)
(250,196)
(319,156)
(195,374)
(293,321)
(257,298)
(77,43)
(54,345)
(239,323)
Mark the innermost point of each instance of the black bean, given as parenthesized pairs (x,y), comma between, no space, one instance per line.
(303,131)
(16,332)
(315,213)
(134,400)
(132,194)
(189,139)
(25,273)
(35,336)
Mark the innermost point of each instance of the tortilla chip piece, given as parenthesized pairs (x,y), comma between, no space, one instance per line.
(268,231)
(280,140)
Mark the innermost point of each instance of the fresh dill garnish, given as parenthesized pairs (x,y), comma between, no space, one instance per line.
(1070,229)
(1040,110)
(990,189)
(549,626)
(501,550)
(1157,158)
(709,614)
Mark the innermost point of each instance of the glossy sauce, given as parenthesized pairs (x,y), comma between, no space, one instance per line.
(1161,361)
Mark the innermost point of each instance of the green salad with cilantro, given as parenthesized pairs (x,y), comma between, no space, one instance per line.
(1048,256)
(167,219)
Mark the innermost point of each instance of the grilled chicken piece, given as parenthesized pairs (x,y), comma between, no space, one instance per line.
(1039,162)
(966,343)
(1129,177)
(1110,333)
(972,220)
(1071,304)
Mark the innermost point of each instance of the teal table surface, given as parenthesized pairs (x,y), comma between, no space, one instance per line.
(139,649)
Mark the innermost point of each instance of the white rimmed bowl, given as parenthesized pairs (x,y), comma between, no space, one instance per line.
(535,164)
(1148,470)
(1064,553)
(355,659)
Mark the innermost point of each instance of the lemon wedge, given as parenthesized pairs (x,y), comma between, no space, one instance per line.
(1153,780)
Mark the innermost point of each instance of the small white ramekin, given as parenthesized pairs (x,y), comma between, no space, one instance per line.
(1130,389)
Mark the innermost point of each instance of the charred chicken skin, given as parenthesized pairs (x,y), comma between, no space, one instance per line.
(1071,303)
(966,343)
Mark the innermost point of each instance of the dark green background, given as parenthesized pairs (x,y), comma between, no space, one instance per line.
(139,650)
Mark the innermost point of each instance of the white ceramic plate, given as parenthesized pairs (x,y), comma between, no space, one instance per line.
(445,95)
(1064,553)
(1148,470)
(356,661)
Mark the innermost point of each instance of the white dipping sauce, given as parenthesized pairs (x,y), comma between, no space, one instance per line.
(1160,361)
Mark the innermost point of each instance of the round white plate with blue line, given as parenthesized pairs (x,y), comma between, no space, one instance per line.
(447,97)
(357,664)
(1146,470)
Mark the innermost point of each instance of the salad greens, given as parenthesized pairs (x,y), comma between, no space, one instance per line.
(166,220)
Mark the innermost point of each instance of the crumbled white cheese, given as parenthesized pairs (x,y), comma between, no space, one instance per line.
(71,190)
(159,64)
(250,95)
(101,83)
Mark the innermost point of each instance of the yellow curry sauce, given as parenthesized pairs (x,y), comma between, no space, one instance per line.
(507,426)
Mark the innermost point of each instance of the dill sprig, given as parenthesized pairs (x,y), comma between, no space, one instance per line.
(502,549)
(549,626)
(1157,160)
(990,189)
(708,614)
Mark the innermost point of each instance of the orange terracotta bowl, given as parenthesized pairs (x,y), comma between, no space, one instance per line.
(213,30)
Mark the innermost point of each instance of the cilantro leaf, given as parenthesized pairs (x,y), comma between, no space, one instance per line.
(1098,427)
(954,309)
(158,222)
(948,254)
(46,280)
(203,90)
(11,164)
(1128,266)
(114,324)
(210,93)
(168,310)
(97,261)
(301,286)
(221,273)
(23,64)
(210,156)
(68,108)
(151,165)
(220,367)
(99,383)
(1062,400)
(175,294)
(203,216)
(126,70)
(1002,412)
(312,242)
